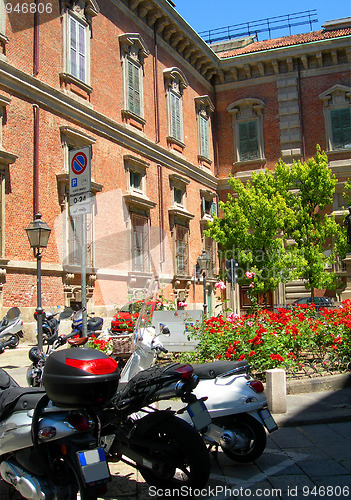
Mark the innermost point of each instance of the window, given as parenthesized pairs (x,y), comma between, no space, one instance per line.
(178,186)
(75,238)
(204,108)
(337,116)
(181,250)
(135,180)
(209,205)
(175,83)
(140,243)
(248,130)
(133,54)
(77,49)
(341,128)
(248,142)
(77,22)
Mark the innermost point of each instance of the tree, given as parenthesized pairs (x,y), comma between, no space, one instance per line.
(308,189)
(249,230)
(276,225)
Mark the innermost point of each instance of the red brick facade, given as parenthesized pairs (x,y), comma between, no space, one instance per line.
(74,113)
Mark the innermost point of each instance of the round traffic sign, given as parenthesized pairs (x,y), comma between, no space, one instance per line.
(79,163)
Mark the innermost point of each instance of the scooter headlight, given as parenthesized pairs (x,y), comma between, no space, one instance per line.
(34,354)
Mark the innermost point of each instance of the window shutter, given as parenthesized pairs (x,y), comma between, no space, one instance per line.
(248,141)
(133,88)
(175,117)
(204,149)
(73,47)
(82,52)
(214,209)
(341,128)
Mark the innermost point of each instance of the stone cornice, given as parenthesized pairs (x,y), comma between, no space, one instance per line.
(36,91)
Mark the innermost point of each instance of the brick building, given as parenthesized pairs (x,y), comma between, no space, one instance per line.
(161,113)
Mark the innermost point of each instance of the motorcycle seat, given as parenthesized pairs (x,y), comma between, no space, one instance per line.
(18,399)
(215,368)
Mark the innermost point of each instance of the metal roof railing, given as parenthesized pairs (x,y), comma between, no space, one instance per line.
(260,26)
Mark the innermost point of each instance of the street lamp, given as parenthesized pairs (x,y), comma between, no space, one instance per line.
(204,262)
(38,233)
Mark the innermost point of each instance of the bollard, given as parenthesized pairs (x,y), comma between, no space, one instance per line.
(276,390)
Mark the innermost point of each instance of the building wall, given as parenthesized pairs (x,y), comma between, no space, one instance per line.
(92,114)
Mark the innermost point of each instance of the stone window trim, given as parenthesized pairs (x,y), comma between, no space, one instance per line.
(137,197)
(243,111)
(3,37)
(204,109)
(207,197)
(134,51)
(175,83)
(334,98)
(177,182)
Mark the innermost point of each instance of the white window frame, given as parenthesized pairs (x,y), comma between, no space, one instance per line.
(80,30)
(3,18)
(178,182)
(133,53)
(175,83)
(245,111)
(337,97)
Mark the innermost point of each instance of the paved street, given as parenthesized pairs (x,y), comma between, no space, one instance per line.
(300,461)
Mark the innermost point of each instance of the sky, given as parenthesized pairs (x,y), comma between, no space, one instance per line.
(209,14)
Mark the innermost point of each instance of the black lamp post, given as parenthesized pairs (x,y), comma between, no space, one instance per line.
(204,261)
(38,233)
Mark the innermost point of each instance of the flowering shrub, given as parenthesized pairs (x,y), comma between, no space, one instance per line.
(275,339)
(104,345)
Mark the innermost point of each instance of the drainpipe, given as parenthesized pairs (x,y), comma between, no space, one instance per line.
(36,160)
(299,93)
(36,40)
(160,212)
(215,130)
(156,90)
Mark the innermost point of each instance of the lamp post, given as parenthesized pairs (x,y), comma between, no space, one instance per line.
(204,260)
(38,233)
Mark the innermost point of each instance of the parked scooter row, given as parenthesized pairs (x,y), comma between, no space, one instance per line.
(53,340)
(236,402)
(11,328)
(54,442)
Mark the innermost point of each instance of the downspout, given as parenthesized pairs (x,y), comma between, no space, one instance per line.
(215,131)
(160,213)
(299,93)
(36,40)
(36,160)
(156,90)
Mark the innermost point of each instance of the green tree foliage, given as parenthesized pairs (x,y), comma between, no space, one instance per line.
(276,225)
(252,220)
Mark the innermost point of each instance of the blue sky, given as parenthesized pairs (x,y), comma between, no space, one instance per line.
(209,14)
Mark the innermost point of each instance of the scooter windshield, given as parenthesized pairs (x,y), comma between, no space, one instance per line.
(146,310)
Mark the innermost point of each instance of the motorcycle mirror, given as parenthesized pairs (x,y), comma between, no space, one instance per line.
(164,330)
(13,313)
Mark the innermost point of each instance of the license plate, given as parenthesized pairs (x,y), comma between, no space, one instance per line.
(199,414)
(268,420)
(93,466)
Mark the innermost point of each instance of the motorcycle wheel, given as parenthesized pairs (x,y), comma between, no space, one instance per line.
(10,340)
(252,431)
(191,466)
(79,491)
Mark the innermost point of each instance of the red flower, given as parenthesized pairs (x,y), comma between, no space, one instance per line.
(252,353)
(241,357)
(276,357)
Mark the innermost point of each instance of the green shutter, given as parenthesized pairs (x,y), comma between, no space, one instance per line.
(176,129)
(204,148)
(133,88)
(341,128)
(248,141)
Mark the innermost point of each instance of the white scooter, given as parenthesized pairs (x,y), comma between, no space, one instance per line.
(236,402)
(11,328)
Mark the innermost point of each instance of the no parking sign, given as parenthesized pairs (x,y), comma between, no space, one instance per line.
(80,181)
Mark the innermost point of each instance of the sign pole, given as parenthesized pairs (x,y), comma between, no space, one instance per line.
(83,274)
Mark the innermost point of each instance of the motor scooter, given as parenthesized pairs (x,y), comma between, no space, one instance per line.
(11,328)
(236,402)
